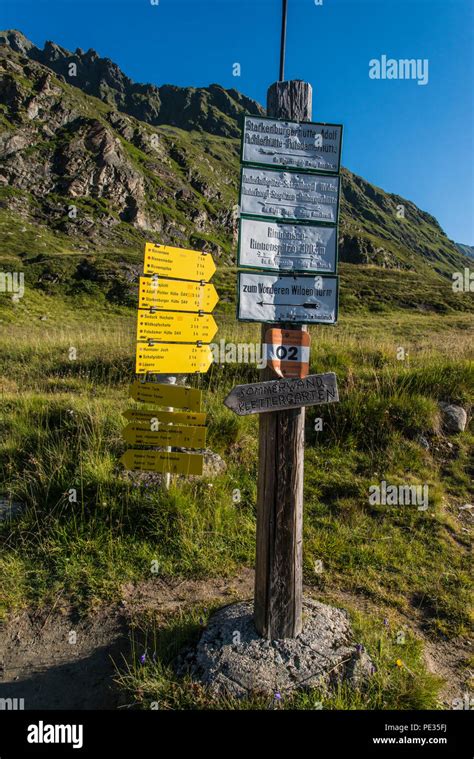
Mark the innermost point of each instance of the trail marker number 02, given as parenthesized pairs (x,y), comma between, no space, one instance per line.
(287,352)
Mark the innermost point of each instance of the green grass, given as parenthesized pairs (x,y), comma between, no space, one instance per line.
(60,425)
(399,681)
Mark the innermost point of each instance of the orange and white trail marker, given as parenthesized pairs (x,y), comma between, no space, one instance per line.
(287,352)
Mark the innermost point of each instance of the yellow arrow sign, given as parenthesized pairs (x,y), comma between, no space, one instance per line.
(162,461)
(176,295)
(169,326)
(166,395)
(178,262)
(172,358)
(165,417)
(167,434)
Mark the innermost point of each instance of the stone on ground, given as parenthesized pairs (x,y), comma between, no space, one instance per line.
(231,659)
(454,418)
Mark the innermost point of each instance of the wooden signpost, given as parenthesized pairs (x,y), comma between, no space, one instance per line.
(278,395)
(290,191)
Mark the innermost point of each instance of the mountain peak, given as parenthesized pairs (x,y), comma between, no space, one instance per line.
(210,109)
(16,40)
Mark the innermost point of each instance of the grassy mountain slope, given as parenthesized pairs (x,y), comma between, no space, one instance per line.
(466,250)
(84,185)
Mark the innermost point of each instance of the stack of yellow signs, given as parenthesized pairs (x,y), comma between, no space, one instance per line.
(174,329)
(181,429)
(174,311)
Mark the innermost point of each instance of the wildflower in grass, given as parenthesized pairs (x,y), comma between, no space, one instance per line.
(143,658)
(277,696)
(401,664)
(359,648)
(386,622)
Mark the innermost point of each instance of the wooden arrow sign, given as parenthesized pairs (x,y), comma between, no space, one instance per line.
(178,263)
(277,395)
(176,295)
(172,358)
(148,418)
(166,395)
(162,461)
(169,326)
(167,434)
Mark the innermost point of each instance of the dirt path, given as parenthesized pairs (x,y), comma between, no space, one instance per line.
(54,661)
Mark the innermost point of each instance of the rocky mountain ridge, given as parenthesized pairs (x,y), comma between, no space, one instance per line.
(81,178)
(212,109)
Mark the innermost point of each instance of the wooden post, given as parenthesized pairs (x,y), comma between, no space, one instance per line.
(279,570)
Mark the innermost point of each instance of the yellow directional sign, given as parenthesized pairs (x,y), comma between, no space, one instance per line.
(176,295)
(162,461)
(166,434)
(146,418)
(169,326)
(166,395)
(172,358)
(178,262)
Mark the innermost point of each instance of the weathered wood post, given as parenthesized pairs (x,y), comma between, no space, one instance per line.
(279,570)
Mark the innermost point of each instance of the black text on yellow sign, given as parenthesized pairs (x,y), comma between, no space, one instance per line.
(149,418)
(179,263)
(163,461)
(170,326)
(166,395)
(172,358)
(175,435)
(176,295)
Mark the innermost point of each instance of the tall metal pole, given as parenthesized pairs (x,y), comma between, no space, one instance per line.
(283,40)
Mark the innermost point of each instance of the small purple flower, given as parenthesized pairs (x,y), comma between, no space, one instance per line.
(386,622)
(359,648)
(373,669)
(277,696)
(143,658)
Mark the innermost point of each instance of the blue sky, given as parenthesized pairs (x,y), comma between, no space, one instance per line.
(414,140)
